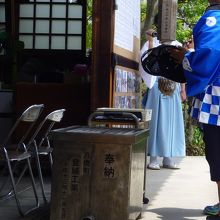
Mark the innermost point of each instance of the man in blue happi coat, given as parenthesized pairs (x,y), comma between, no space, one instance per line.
(202,74)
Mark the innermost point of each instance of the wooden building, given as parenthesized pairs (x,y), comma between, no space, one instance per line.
(43,57)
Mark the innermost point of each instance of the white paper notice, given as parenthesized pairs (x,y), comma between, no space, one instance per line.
(127,23)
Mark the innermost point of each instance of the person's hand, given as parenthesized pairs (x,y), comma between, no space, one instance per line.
(190,44)
(177,54)
(183,92)
(183,95)
(149,35)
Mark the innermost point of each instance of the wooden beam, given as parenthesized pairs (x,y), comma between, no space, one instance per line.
(102,71)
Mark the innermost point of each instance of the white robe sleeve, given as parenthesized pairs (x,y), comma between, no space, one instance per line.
(148,79)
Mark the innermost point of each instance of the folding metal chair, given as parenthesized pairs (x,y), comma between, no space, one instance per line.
(14,154)
(41,142)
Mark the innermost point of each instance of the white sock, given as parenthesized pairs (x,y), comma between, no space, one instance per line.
(153,159)
(167,160)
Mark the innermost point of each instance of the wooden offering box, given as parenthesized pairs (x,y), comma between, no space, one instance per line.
(98,172)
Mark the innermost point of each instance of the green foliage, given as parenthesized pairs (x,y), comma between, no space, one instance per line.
(143,11)
(89,25)
(188,14)
(196,147)
(193,133)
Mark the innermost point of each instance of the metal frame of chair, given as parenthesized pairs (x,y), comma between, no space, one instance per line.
(40,137)
(13,154)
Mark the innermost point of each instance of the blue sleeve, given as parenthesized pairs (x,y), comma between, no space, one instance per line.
(201,69)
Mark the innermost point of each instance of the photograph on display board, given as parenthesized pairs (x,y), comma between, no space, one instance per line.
(124,81)
(130,82)
(117,102)
(118,81)
(127,88)
(137,84)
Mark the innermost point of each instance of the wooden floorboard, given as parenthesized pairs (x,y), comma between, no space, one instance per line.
(9,211)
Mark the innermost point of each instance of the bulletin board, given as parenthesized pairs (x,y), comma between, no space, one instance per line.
(127,47)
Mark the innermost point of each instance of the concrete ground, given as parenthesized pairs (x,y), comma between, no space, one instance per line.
(180,194)
(174,194)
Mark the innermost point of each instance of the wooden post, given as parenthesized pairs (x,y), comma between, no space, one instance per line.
(102,48)
(167,20)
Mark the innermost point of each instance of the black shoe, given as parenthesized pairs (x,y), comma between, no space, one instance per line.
(145,200)
(213,217)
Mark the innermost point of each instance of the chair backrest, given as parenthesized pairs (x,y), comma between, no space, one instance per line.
(56,116)
(30,116)
(52,118)
(32,113)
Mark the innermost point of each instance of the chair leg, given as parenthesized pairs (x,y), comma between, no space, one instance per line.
(33,186)
(40,173)
(14,189)
(41,179)
(21,212)
(51,160)
(4,183)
